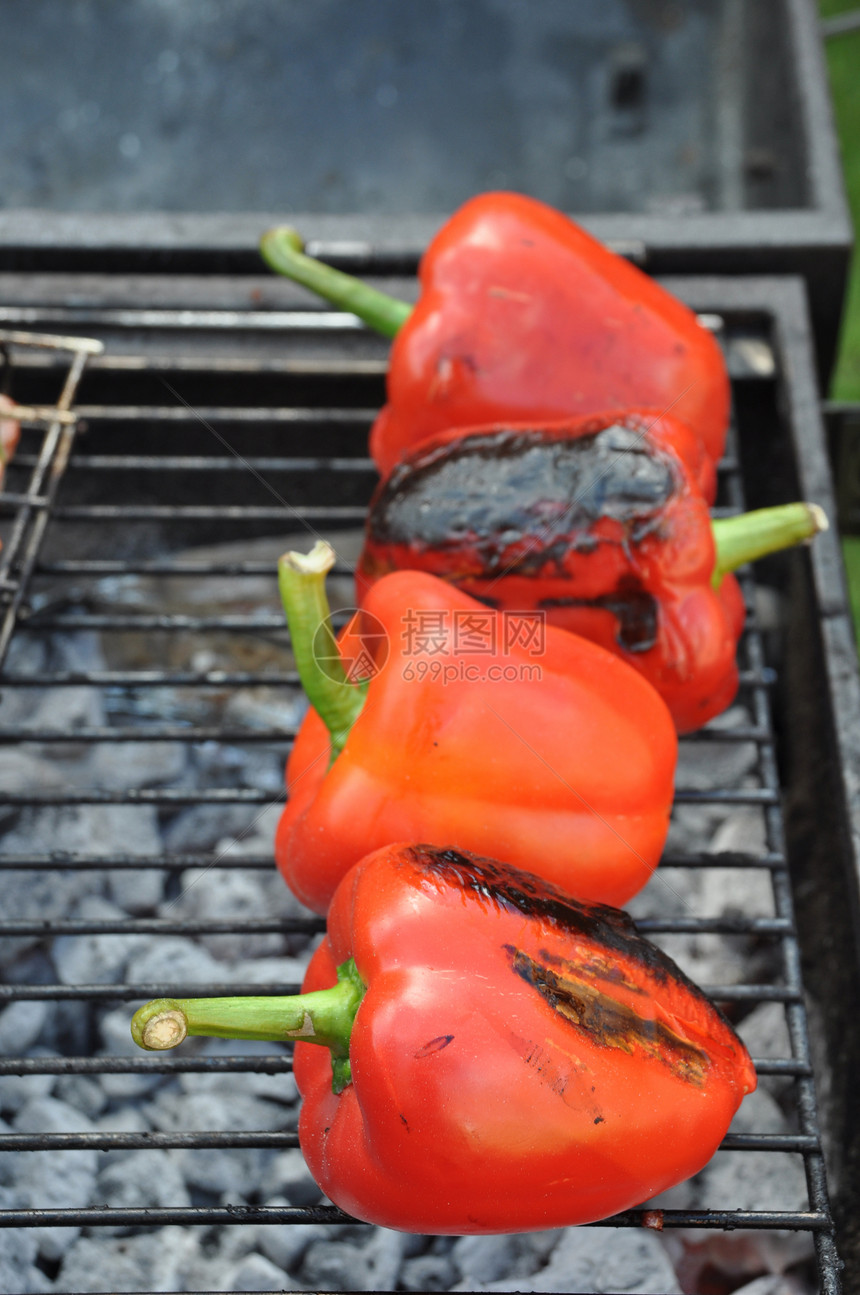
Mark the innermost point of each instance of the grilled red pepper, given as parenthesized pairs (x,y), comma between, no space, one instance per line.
(504,1058)
(601,524)
(534,746)
(523,315)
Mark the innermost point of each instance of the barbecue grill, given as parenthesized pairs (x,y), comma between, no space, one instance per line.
(185,426)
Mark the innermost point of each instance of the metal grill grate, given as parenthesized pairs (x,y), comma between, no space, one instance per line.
(196,429)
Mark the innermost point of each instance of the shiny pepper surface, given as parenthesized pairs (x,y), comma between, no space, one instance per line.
(552,756)
(519,1060)
(524,316)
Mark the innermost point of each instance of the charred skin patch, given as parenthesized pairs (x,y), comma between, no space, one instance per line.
(634,608)
(492,491)
(435,1045)
(596,968)
(534,898)
(606,1021)
(507,890)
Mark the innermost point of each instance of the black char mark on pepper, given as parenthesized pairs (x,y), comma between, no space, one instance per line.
(491,490)
(509,890)
(435,1045)
(609,1023)
(635,609)
(599,968)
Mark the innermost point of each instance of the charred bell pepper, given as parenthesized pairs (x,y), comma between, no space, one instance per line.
(524,316)
(504,1058)
(498,734)
(601,525)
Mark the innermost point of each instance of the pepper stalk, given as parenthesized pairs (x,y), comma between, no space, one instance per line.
(336,699)
(283,251)
(753,535)
(324,1016)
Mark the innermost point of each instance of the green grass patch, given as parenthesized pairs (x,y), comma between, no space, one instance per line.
(851,554)
(843,63)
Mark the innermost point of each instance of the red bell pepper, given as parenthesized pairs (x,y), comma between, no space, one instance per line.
(504,1058)
(524,316)
(601,524)
(497,734)
(10,430)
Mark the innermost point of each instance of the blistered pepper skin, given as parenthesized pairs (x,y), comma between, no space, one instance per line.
(601,524)
(519,1061)
(523,315)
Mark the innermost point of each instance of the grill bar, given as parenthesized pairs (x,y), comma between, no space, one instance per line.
(131,863)
(151,733)
(289,678)
(357,420)
(248,796)
(765,993)
(775,926)
(183,320)
(207,1140)
(145,796)
(10,501)
(151,679)
(191,733)
(199,1140)
(201,463)
(262,623)
(165,567)
(331,514)
(158,1216)
(268,1065)
(179,863)
(183,1064)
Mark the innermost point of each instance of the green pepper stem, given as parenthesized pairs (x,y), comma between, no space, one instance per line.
(337,701)
(767,530)
(282,249)
(324,1016)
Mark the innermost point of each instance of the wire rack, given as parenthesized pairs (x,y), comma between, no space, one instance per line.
(146,469)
